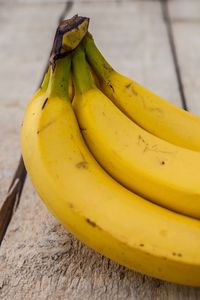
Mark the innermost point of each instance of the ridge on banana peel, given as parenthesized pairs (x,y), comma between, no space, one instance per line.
(148,110)
(93,206)
(153,168)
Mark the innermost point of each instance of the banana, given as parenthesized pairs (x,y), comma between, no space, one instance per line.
(148,110)
(161,172)
(93,206)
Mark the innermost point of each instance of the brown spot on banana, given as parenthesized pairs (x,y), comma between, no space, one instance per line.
(130,89)
(112,88)
(44,104)
(83,129)
(177,254)
(163,232)
(82,165)
(90,222)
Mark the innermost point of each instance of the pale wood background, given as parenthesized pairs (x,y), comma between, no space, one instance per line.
(38,258)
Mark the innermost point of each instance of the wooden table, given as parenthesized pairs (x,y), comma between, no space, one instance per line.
(155,42)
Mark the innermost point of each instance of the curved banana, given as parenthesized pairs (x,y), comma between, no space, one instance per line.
(87,201)
(161,172)
(148,110)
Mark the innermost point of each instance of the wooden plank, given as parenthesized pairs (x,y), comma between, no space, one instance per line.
(38,258)
(60,1)
(184,10)
(186,28)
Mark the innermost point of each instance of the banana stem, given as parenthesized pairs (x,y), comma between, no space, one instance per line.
(81,73)
(96,59)
(59,78)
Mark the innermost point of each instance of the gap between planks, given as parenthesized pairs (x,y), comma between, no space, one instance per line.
(170,34)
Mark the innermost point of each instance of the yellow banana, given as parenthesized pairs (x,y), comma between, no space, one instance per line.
(151,167)
(93,206)
(148,110)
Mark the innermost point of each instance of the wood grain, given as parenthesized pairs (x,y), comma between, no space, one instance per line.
(186,27)
(38,258)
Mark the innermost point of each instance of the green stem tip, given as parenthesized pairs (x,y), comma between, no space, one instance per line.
(81,73)
(59,78)
(98,63)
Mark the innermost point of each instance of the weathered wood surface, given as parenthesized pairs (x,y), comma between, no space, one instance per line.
(185,16)
(38,258)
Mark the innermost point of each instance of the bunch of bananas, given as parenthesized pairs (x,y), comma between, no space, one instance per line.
(116,164)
